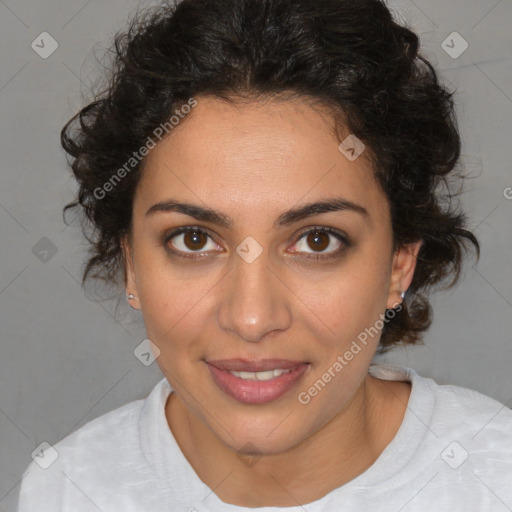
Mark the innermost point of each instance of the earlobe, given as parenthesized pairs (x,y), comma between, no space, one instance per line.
(129,298)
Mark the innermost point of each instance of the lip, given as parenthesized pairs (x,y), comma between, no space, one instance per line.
(261,365)
(254,391)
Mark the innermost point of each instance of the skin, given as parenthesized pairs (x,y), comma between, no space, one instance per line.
(252,161)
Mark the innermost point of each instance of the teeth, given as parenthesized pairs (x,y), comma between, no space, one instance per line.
(267,375)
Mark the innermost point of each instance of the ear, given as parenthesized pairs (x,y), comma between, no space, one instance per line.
(402,272)
(129,272)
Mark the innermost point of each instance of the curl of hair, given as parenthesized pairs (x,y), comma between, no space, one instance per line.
(350,56)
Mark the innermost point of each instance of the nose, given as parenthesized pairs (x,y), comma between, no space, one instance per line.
(254,300)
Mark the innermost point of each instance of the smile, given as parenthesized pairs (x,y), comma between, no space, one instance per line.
(261,382)
(267,375)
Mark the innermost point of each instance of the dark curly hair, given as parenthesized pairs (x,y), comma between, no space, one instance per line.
(349,55)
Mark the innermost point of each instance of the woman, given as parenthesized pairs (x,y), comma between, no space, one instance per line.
(265,179)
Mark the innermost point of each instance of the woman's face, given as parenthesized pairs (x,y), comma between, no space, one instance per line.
(250,283)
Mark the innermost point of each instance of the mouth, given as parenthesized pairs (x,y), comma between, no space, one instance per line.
(256,382)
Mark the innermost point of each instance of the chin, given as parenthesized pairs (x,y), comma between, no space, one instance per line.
(262,438)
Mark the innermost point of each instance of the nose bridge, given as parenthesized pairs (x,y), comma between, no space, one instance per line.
(254,301)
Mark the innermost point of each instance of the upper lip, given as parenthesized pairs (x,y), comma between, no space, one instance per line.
(261,365)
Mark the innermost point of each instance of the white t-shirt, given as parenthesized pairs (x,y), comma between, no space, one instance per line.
(453,452)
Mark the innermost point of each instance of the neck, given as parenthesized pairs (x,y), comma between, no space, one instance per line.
(332,456)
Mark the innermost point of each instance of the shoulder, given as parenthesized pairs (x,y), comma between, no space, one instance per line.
(455,444)
(465,427)
(468,411)
(103,435)
(470,437)
(455,412)
(105,451)
(448,403)
(474,427)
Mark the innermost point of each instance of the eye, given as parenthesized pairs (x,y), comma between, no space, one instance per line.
(189,240)
(325,243)
(194,242)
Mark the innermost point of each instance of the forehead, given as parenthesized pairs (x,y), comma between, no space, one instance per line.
(257,154)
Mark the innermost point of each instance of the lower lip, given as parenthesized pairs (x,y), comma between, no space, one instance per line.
(256,391)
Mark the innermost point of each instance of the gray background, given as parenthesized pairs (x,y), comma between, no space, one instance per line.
(66,358)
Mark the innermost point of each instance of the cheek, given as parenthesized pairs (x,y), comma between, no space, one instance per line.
(346,303)
(170,305)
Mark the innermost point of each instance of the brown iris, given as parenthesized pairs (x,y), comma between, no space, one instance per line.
(194,240)
(318,240)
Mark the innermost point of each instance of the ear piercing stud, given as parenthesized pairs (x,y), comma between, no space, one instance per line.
(402,295)
(130,296)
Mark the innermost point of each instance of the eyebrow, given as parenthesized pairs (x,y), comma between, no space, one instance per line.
(289,217)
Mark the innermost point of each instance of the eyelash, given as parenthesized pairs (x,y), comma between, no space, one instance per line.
(309,256)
